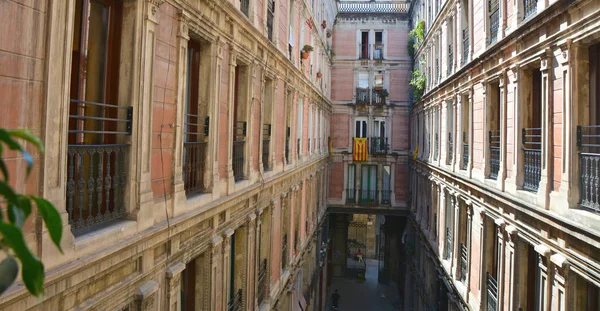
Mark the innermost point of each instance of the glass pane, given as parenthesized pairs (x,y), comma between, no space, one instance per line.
(386,178)
(378,80)
(363,80)
(364,178)
(351,176)
(373,178)
(364,129)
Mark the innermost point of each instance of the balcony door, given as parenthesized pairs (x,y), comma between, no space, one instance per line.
(360,128)
(368,184)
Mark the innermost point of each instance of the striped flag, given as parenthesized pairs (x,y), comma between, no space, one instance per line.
(361,150)
(416,153)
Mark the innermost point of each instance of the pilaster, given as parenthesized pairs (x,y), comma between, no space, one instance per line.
(547,129)
(173,296)
(145,296)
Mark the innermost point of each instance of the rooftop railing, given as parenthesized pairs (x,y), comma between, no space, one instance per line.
(372,6)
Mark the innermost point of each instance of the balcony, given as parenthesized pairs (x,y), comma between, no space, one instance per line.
(194,153)
(588,142)
(448,243)
(378,51)
(266,152)
(363,51)
(463,262)
(378,96)
(372,7)
(261,290)
(465,159)
(97,170)
(532,158)
(529,7)
(350,196)
(386,197)
(284,252)
(236,301)
(492,293)
(450,148)
(362,96)
(494,140)
(368,197)
(465,51)
(379,145)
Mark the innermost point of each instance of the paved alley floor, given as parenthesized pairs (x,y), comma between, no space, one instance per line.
(366,296)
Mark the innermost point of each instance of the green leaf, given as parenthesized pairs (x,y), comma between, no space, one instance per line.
(8,140)
(7,137)
(3,167)
(27,136)
(24,203)
(51,218)
(6,191)
(33,269)
(16,216)
(8,272)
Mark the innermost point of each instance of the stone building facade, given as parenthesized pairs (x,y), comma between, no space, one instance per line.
(186,150)
(505,141)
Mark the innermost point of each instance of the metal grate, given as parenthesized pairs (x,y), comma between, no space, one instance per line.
(236,301)
(465,160)
(194,152)
(379,145)
(362,96)
(448,243)
(435,153)
(378,51)
(350,196)
(368,197)
(494,139)
(530,8)
(532,160)
(377,97)
(284,252)
(492,293)
(588,141)
(261,291)
(450,148)
(386,197)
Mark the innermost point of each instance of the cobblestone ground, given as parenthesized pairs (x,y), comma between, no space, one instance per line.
(366,296)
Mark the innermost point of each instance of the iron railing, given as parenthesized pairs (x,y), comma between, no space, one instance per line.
(96,169)
(288,152)
(465,160)
(588,141)
(350,196)
(494,139)
(379,145)
(448,243)
(437,70)
(492,293)
(450,59)
(463,262)
(298,151)
(261,291)
(532,158)
(368,197)
(372,7)
(270,17)
(377,97)
(284,252)
(245,7)
(362,96)
(239,134)
(308,146)
(378,51)
(529,7)
(450,148)
(386,197)
(363,51)
(435,152)
(266,152)
(494,15)
(465,55)
(194,153)
(236,301)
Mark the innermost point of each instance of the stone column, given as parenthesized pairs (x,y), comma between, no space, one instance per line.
(547,124)
(214,300)
(145,297)
(516,179)
(173,296)
(560,282)
(485,170)
(501,268)
(510,275)
(230,118)
(503,131)
(251,280)
(543,277)
(226,269)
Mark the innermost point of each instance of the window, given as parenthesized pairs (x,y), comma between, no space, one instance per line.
(245,7)
(270,18)
(364,45)
(493,115)
(368,184)
(465,131)
(450,128)
(494,19)
(379,80)
(239,121)
(267,114)
(299,126)
(350,189)
(378,51)
(531,133)
(386,191)
(95,118)
(360,128)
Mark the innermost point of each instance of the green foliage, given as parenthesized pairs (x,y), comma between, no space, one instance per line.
(411,47)
(307,48)
(418,83)
(18,208)
(416,37)
(384,93)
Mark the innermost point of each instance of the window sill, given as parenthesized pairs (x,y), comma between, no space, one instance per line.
(105,236)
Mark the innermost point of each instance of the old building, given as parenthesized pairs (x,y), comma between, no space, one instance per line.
(186,149)
(505,141)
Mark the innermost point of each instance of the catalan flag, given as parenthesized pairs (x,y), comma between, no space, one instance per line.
(361,150)
(416,153)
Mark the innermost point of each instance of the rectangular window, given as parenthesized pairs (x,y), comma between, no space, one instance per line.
(245,7)
(378,50)
(270,18)
(350,189)
(360,128)
(364,45)
(368,184)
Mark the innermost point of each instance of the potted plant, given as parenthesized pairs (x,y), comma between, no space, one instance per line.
(305,50)
(319,74)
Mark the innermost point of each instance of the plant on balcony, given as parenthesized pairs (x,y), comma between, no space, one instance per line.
(384,93)
(418,83)
(306,50)
(18,208)
(416,37)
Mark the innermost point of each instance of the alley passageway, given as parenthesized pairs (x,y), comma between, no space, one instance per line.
(365,296)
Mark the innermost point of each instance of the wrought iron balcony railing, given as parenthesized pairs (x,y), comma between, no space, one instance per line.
(463,262)
(362,96)
(363,51)
(386,197)
(450,59)
(350,196)
(288,152)
(435,153)
(465,55)
(298,151)
(529,7)
(261,291)
(378,51)
(494,139)
(266,152)
(194,152)
(372,7)
(368,197)
(379,145)
(494,15)
(450,148)
(378,98)
(465,159)
(532,158)
(96,170)
(448,243)
(588,141)
(239,134)
(284,252)
(492,293)
(236,301)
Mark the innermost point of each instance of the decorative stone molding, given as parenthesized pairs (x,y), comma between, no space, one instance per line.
(145,296)
(542,250)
